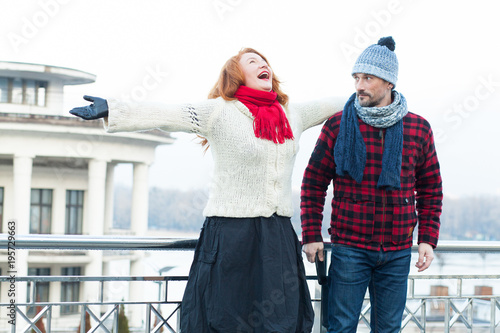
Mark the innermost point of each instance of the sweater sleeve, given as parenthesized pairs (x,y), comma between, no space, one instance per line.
(315,112)
(317,177)
(429,193)
(132,117)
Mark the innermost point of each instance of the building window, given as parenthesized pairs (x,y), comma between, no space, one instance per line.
(70,291)
(41,289)
(29,92)
(1,208)
(4,90)
(23,91)
(17,91)
(74,212)
(41,211)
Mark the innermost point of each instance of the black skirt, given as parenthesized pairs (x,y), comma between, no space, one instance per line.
(247,276)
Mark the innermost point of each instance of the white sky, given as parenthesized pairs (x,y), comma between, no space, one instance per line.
(448,51)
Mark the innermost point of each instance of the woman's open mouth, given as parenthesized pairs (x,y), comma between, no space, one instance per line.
(264,75)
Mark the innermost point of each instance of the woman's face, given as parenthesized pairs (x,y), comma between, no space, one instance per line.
(258,74)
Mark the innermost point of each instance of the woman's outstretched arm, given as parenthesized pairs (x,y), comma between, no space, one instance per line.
(316,112)
(124,116)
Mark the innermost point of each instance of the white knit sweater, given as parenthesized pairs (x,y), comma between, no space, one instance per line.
(252,176)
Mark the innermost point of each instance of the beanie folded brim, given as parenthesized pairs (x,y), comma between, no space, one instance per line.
(375,71)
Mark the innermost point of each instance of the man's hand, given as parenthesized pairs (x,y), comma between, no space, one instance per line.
(425,256)
(98,109)
(311,249)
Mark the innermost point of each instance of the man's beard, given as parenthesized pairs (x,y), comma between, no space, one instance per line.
(369,102)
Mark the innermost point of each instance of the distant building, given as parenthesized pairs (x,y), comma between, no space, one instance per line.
(56,177)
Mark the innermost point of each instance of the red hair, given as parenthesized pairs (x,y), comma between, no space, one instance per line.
(231,78)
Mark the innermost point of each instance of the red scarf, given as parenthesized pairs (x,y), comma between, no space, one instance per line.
(270,121)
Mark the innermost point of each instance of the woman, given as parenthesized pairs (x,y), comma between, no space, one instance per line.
(247,274)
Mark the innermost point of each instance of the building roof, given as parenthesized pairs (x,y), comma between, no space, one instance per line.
(68,76)
(154,136)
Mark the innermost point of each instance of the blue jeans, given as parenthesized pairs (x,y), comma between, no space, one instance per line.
(352,271)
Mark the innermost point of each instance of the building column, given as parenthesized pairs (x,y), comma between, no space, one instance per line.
(108,209)
(139,227)
(58,226)
(96,198)
(55,292)
(140,196)
(23,167)
(94,225)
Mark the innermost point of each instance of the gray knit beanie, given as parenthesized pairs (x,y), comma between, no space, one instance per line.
(379,60)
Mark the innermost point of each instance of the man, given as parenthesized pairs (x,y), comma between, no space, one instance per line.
(384,168)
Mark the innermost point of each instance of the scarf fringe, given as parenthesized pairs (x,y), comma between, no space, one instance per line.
(270,128)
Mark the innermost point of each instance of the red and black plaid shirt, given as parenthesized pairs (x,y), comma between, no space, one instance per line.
(363,215)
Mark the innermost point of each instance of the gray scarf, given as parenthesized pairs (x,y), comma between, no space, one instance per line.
(385,116)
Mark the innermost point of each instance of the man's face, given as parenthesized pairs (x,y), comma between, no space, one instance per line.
(372,91)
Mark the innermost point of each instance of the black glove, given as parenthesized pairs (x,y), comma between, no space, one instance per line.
(98,109)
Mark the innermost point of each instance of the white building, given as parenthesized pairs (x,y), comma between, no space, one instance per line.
(56,177)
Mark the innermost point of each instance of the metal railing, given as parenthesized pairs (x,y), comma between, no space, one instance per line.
(107,321)
(459,312)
